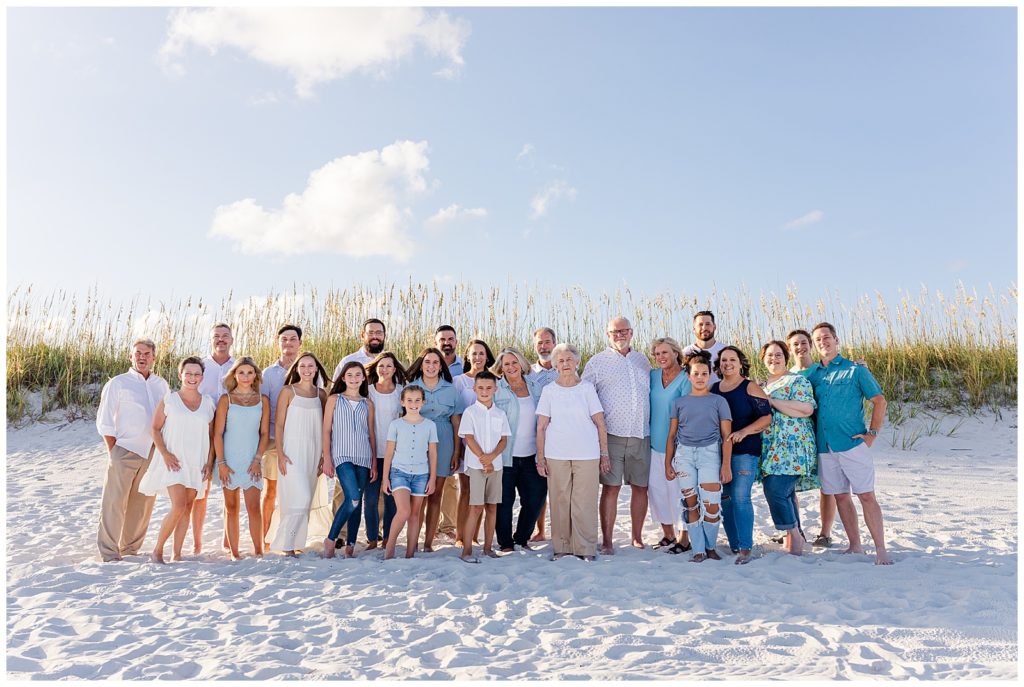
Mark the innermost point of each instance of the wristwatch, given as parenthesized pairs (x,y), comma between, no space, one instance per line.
(873,432)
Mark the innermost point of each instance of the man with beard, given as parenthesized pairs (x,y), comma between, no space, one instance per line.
(446,341)
(704,329)
(373,336)
(543,343)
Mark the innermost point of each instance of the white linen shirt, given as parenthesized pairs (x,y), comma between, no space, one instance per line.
(213,378)
(543,375)
(360,356)
(127,404)
(623,384)
(488,426)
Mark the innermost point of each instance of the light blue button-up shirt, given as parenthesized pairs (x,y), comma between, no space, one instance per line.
(841,388)
(542,376)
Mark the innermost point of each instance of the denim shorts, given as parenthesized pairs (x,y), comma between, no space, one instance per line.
(416,485)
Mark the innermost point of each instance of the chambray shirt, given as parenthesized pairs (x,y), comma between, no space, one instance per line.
(509,402)
(273,382)
(542,376)
(841,388)
(623,384)
(456,368)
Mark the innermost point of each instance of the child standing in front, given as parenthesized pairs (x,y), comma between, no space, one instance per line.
(485,430)
(698,424)
(410,467)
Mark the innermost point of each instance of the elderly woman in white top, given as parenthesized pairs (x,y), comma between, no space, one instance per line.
(572,448)
(517,396)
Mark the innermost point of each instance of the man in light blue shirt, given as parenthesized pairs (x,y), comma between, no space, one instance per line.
(543,343)
(844,459)
(446,341)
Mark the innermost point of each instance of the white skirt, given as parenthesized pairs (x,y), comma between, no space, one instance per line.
(663,495)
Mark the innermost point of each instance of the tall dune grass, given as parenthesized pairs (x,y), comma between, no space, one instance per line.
(954,349)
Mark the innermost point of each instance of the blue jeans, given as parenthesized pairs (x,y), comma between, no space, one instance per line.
(780,492)
(697,465)
(737,508)
(521,476)
(370,500)
(353,479)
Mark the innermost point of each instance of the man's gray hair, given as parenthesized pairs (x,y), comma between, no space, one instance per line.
(143,341)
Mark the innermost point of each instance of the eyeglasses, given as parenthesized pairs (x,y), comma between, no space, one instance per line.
(619,332)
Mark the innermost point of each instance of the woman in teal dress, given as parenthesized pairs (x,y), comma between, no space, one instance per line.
(668,382)
(443,405)
(789,453)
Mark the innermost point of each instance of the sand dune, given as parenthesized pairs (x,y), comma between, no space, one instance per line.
(947,609)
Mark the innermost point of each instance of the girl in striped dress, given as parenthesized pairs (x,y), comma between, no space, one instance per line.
(349,449)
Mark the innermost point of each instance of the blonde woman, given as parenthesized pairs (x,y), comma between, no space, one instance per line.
(668,382)
(240,432)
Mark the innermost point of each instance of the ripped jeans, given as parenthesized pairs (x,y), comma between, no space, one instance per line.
(737,508)
(353,479)
(697,465)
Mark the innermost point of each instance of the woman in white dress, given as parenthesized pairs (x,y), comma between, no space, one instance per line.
(299,422)
(183,433)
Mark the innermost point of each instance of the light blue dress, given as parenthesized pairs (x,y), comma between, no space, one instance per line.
(439,405)
(241,439)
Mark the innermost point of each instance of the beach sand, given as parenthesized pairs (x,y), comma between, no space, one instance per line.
(946,609)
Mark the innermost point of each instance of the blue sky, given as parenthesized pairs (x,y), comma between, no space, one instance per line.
(850,150)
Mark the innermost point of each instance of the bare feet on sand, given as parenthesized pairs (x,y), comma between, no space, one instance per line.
(328,548)
(158,557)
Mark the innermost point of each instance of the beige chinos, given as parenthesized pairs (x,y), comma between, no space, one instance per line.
(572,495)
(125,513)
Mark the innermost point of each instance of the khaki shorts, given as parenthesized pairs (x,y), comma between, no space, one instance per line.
(631,461)
(844,471)
(484,487)
(270,461)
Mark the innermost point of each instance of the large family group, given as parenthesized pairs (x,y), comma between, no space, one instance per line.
(690,437)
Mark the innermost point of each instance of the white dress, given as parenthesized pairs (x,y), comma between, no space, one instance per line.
(296,488)
(186,434)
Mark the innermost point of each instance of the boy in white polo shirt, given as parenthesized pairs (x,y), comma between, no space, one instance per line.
(486,430)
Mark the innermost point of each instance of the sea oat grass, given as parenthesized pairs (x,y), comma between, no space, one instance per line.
(954,351)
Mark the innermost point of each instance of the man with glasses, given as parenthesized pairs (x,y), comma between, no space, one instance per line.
(373,336)
(622,377)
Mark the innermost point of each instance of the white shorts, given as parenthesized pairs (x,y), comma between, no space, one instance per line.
(844,471)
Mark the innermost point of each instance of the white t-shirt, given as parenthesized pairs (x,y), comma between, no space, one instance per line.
(488,426)
(360,356)
(714,351)
(386,407)
(525,443)
(571,433)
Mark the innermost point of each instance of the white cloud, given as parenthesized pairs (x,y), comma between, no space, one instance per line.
(812,217)
(317,45)
(525,152)
(452,213)
(353,205)
(543,201)
(264,98)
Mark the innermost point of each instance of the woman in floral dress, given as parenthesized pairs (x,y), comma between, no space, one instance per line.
(789,454)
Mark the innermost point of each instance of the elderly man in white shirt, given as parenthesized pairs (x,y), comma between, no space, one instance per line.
(124,419)
(622,377)
(373,336)
(543,343)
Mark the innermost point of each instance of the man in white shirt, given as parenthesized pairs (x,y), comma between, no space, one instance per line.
(704,329)
(446,342)
(289,341)
(543,343)
(373,336)
(622,377)
(215,368)
(124,419)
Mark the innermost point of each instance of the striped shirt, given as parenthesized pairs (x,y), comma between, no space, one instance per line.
(350,433)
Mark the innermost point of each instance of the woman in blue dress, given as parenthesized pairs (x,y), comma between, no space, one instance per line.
(442,405)
(668,382)
(241,428)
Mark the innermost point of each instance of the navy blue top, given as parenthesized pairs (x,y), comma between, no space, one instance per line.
(746,410)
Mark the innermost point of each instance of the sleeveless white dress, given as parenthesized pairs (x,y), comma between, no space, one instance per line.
(186,434)
(296,488)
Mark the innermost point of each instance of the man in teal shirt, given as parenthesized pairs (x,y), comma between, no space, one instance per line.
(844,458)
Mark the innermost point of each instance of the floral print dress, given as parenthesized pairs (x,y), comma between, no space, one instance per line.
(788,445)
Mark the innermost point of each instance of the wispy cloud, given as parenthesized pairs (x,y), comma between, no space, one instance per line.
(527,151)
(812,217)
(452,213)
(353,205)
(318,45)
(546,198)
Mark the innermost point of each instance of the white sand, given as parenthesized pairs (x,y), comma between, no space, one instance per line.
(947,609)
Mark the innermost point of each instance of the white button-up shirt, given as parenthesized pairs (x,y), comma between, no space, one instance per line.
(543,375)
(213,378)
(488,426)
(127,404)
(623,384)
(360,356)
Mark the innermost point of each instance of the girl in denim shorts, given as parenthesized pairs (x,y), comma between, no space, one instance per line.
(696,455)
(410,467)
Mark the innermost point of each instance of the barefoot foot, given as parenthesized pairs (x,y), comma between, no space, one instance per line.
(637,544)
(882,558)
(328,548)
(158,557)
(853,549)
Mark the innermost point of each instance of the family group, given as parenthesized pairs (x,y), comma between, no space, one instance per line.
(448,443)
